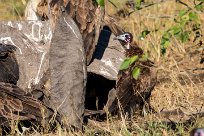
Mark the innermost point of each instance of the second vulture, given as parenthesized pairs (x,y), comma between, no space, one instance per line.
(132,91)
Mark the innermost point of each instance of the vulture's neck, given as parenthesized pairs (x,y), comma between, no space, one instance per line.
(134,50)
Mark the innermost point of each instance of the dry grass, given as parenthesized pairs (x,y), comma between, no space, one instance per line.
(12,9)
(179,85)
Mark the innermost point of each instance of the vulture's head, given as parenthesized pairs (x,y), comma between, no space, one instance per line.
(126,38)
(9,70)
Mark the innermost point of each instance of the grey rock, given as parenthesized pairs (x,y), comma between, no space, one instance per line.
(68,72)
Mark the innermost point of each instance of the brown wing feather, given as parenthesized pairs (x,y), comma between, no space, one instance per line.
(124,91)
(131,92)
(146,81)
(16,104)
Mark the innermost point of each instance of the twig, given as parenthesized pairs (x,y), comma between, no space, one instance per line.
(146,6)
(194,69)
(181,2)
(194,2)
(112,3)
(156,17)
(198,4)
(201,108)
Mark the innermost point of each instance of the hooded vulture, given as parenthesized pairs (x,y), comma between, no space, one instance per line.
(136,81)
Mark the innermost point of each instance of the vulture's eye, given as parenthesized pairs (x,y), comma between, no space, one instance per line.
(4,55)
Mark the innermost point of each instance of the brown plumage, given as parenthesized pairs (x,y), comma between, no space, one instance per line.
(17,104)
(8,64)
(132,93)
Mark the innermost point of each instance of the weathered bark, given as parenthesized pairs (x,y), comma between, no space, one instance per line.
(68,71)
